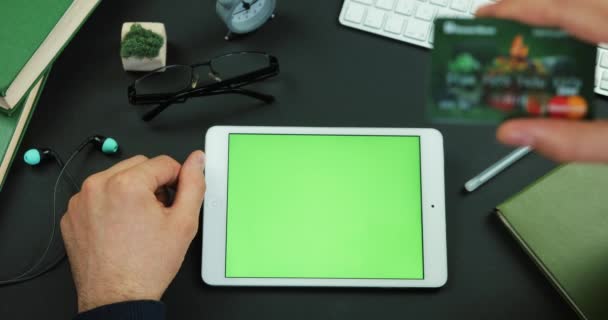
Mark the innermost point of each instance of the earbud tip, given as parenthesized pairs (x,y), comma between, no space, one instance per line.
(32,157)
(109,146)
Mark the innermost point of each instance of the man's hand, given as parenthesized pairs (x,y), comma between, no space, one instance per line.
(123,242)
(559,140)
(586,19)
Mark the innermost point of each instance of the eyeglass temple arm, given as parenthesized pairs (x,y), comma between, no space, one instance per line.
(148,116)
(245,92)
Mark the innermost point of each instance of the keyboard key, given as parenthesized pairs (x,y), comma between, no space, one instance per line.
(478,4)
(385,4)
(355,12)
(374,18)
(425,12)
(417,29)
(604,85)
(405,7)
(604,61)
(432,34)
(605,76)
(442,3)
(461,5)
(369,2)
(449,13)
(394,24)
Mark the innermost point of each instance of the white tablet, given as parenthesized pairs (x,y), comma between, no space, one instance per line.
(347,207)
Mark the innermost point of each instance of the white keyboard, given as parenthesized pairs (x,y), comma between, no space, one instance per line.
(411,21)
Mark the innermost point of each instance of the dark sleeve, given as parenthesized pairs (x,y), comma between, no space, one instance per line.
(132,310)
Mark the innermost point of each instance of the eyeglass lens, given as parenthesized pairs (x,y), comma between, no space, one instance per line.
(177,78)
(171,79)
(233,65)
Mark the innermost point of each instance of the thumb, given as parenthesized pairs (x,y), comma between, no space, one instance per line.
(560,140)
(190,187)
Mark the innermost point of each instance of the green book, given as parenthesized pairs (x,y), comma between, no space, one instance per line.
(32,33)
(562,223)
(13,128)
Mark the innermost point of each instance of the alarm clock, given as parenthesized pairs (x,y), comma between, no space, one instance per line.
(244,16)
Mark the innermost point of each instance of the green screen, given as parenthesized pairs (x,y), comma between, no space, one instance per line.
(320,206)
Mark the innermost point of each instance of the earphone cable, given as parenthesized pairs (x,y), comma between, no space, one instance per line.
(24,276)
(68,176)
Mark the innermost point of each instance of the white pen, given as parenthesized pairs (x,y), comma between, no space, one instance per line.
(496,168)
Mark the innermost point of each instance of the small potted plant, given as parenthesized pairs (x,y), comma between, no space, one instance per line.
(143,46)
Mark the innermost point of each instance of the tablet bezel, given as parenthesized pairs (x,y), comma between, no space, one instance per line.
(433,209)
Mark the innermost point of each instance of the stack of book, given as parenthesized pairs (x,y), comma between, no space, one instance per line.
(32,34)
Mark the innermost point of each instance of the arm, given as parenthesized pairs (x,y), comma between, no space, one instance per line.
(558,139)
(124,242)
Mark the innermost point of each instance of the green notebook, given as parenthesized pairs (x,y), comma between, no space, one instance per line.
(32,33)
(12,128)
(562,223)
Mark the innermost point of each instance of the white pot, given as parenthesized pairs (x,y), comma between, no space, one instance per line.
(146,64)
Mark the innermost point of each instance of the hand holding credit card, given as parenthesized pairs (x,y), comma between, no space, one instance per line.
(488,70)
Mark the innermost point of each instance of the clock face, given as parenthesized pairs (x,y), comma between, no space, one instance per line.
(247,10)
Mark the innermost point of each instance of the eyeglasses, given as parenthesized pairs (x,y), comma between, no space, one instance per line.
(226,74)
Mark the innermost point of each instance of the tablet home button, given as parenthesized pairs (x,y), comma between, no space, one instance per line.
(211,203)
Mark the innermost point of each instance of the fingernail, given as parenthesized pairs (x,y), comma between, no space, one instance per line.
(202,158)
(519,138)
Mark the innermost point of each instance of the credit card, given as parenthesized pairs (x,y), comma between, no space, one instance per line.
(489,70)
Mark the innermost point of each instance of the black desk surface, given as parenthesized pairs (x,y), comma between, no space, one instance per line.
(331,76)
